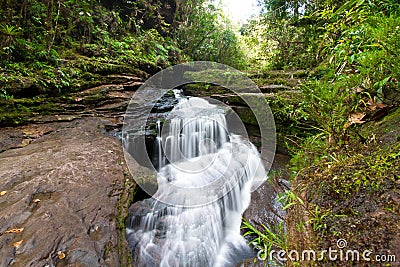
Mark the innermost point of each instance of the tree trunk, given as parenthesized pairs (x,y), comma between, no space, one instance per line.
(49,25)
(296,9)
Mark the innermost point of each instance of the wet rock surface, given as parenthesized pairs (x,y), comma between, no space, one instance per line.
(63,178)
(109,100)
(62,190)
(264,209)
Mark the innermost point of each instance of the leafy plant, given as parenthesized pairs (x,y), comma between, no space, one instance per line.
(317,218)
(288,198)
(8,33)
(328,105)
(206,34)
(4,95)
(266,240)
(9,30)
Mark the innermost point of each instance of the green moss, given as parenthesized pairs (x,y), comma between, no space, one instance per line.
(352,185)
(18,111)
(246,115)
(125,200)
(201,89)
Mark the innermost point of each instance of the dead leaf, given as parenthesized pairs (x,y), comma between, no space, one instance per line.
(61,255)
(34,132)
(2,193)
(24,143)
(15,231)
(359,89)
(31,133)
(380,105)
(372,105)
(356,118)
(17,244)
(36,200)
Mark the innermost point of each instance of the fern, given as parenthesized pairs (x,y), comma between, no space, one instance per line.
(9,30)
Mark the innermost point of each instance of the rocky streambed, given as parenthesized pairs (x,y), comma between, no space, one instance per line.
(65,189)
(62,197)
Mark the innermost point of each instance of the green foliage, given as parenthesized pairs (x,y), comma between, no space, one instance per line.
(361,66)
(279,44)
(147,48)
(366,43)
(260,49)
(328,106)
(288,199)
(4,95)
(317,218)
(343,173)
(206,34)
(9,30)
(369,172)
(335,161)
(286,33)
(8,33)
(267,239)
(50,46)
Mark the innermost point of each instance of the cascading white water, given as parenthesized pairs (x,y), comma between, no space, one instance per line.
(196,129)
(158,144)
(207,173)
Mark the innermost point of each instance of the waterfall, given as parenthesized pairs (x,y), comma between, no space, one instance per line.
(196,129)
(204,179)
(158,144)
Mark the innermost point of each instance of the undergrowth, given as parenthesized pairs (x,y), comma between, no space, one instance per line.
(343,134)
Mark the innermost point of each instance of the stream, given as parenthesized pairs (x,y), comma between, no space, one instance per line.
(204,175)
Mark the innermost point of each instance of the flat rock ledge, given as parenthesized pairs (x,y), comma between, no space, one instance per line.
(60,200)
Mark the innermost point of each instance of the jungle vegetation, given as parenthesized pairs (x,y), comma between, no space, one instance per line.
(340,144)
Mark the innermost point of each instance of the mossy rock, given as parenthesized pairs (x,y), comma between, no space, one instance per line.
(246,115)
(203,89)
(18,111)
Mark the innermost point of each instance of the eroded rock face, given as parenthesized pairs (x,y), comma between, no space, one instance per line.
(63,189)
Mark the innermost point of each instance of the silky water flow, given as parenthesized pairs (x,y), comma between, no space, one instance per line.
(207,172)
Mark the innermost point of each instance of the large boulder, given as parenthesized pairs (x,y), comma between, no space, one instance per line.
(60,198)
